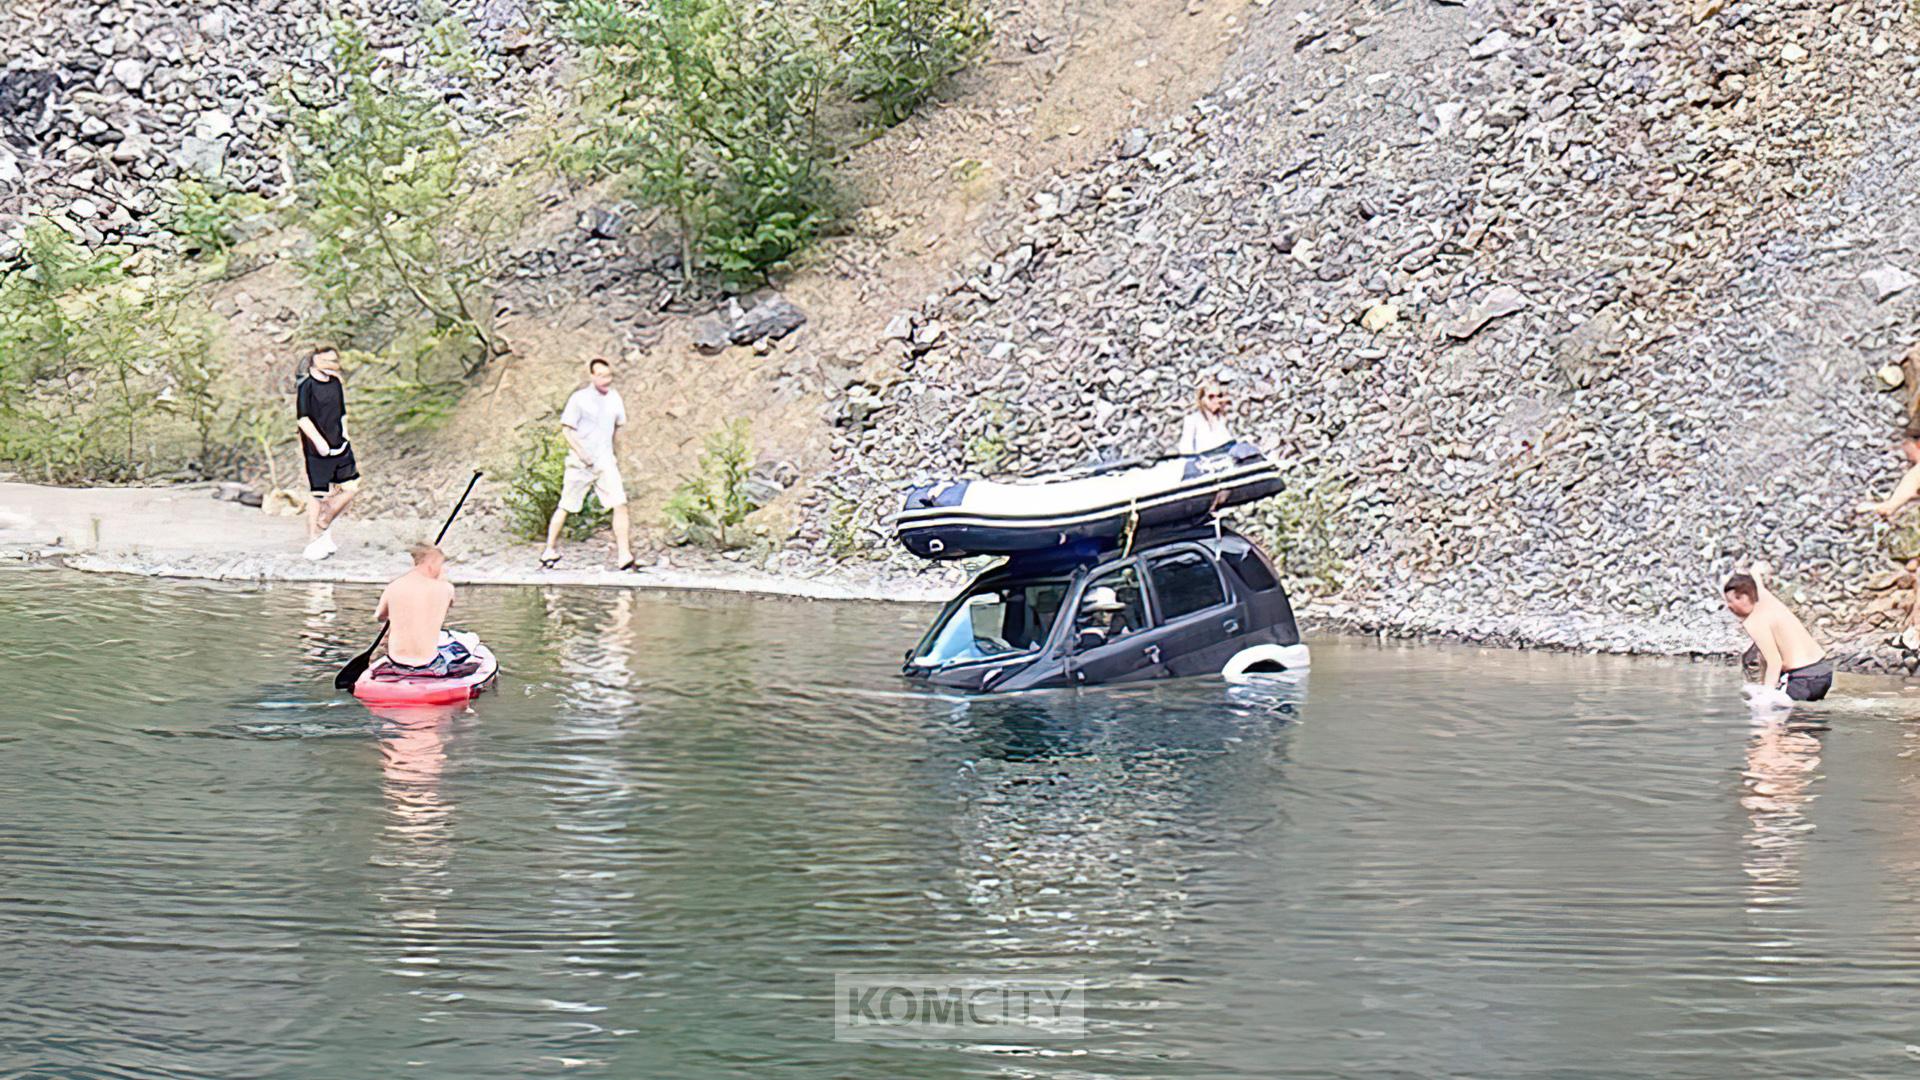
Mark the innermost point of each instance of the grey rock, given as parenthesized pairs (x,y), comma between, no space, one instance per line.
(772,318)
(1589,352)
(130,73)
(1887,282)
(601,223)
(1491,45)
(206,158)
(712,335)
(1499,302)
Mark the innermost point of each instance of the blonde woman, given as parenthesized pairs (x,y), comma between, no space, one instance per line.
(1205,428)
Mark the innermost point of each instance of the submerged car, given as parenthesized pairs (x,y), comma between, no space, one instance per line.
(1190,600)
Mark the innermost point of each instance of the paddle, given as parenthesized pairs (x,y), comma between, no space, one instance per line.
(357,666)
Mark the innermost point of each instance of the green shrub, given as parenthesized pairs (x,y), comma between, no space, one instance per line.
(99,367)
(208,223)
(988,449)
(901,51)
(448,43)
(1299,528)
(730,114)
(843,529)
(399,227)
(713,110)
(416,382)
(534,491)
(713,498)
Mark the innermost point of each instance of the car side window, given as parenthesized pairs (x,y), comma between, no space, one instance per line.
(1185,582)
(1112,606)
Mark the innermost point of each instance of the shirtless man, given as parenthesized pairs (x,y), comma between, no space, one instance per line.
(1904,492)
(414,607)
(1795,662)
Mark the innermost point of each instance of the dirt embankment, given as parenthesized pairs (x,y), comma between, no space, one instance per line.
(1060,84)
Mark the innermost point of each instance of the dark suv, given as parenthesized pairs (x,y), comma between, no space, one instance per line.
(1185,602)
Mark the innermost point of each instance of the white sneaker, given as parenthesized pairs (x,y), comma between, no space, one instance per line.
(322,546)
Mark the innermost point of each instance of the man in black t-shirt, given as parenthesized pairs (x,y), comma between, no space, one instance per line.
(332,476)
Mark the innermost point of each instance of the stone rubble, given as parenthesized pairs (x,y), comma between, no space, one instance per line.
(1624,244)
(104,103)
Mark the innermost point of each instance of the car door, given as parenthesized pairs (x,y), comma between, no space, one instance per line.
(1200,616)
(1136,653)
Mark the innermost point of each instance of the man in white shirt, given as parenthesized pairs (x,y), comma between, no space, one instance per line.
(592,417)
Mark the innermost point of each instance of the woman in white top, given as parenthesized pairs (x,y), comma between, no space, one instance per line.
(1205,428)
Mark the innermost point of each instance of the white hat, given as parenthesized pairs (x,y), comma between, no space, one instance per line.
(1102,599)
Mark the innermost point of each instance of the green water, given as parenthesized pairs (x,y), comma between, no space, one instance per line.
(651,851)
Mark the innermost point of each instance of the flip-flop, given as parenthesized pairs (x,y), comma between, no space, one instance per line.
(630,564)
(548,562)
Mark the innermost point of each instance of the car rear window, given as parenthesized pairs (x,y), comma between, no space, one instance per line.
(1247,562)
(1185,582)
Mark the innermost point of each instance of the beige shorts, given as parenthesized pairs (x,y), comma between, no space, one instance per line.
(604,483)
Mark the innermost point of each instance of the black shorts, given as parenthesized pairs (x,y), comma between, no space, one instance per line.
(1810,683)
(324,472)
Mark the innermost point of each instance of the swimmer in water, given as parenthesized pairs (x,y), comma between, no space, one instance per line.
(1795,663)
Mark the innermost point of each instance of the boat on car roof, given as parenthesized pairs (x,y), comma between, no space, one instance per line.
(1107,583)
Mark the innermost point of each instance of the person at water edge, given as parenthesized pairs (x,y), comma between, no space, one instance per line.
(593,416)
(333,477)
(1795,662)
(1904,492)
(414,607)
(1103,618)
(1205,428)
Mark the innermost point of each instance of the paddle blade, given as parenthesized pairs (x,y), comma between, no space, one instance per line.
(355,668)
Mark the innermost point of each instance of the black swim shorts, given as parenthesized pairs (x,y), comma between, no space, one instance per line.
(1810,683)
(325,472)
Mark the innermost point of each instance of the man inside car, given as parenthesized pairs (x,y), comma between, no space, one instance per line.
(1102,618)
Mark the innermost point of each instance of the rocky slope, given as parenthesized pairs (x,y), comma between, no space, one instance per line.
(1577,303)
(104,101)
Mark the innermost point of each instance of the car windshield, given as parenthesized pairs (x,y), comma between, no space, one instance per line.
(994,621)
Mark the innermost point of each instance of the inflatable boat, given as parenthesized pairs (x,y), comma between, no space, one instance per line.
(383,685)
(959,518)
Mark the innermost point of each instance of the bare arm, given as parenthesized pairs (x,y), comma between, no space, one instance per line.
(573,440)
(380,613)
(1903,493)
(313,435)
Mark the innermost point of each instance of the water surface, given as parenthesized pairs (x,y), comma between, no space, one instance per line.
(649,853)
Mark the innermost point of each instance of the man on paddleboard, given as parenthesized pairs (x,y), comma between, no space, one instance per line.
(1795,662)
(414,607)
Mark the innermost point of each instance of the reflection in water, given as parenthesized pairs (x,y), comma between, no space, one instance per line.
(1779,776)
(417,842)
(1080,813)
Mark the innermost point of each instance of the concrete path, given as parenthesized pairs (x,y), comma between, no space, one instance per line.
(184,532)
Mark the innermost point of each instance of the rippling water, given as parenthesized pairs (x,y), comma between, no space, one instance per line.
(681,815)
